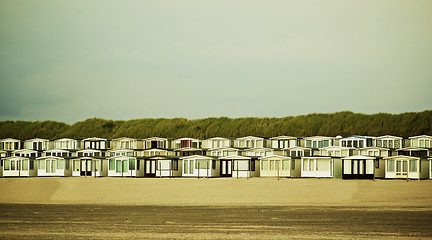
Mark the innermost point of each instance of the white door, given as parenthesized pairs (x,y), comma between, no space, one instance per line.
(401,168)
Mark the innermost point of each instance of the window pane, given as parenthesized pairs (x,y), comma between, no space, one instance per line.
(413,165)
(118,166)
(24,165)
(390,165)
(76,165)
(60,164)
(111,164)
(285,165)
(264,164)
(175,165)
(125,165)
(272,164)
(6,164)
(131,164)
(12,165)
(202,164)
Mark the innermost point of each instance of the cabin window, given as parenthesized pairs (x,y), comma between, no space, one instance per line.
(111,164)
(6,164)
(413,165)
(53,165)
(308,143)
(118,166)
(285,164)
(12,165)
(390,166)
(360,144)
(201,164)
(41,164)
(272,165)
(427,144)
(25,165)
(264,165)
(60,164)
(76,165)
(326,143)
(379,143)
(422,143)
(185,163)
(131,164)
(125,165)
(191,168)
(175,165)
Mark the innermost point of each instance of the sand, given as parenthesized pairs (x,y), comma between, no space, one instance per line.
(217,192)
(258,208)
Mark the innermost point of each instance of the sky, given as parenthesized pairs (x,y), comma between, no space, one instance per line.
(72,60)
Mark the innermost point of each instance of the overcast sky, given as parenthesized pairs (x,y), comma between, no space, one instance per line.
(73,60)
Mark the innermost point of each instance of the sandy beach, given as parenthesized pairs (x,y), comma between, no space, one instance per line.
(217,192)
(179,208)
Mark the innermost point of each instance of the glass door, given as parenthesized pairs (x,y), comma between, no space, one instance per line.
(401,168)
(150,168)
(226,168)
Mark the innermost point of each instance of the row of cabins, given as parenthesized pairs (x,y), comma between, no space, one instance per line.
(350,157)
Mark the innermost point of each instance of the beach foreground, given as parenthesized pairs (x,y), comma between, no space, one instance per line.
(261,208)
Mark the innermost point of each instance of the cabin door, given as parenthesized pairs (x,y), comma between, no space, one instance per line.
(401,168)
(50,165)
(86,167)
(226,168)
(358,167)
(150,168)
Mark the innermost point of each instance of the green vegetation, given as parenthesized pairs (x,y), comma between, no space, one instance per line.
(341,123)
